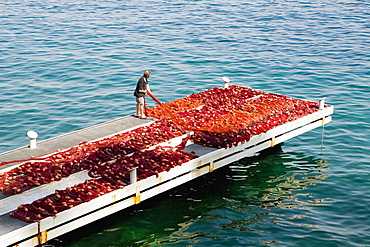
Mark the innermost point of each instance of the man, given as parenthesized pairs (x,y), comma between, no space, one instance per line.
(142,88)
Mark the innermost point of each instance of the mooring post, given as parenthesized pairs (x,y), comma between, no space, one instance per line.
(32,135)
(133,175)
(226,81)
(321,107)
(322,103)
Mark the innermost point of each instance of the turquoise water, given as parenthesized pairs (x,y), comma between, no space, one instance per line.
(66,65)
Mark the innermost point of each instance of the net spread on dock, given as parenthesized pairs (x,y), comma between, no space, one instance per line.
(218,118)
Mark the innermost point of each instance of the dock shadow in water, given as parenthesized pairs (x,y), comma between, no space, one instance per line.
(254,197)
(250,196)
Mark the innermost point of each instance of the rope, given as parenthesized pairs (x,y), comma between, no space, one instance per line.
(154,98)
(14,161)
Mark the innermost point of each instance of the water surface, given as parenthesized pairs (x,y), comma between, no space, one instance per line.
(68,65)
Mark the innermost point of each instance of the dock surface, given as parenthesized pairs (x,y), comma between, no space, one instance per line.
(73,138)
(11,202)
(14,232)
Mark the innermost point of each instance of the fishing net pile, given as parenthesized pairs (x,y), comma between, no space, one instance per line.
(108,162)
(223,117)
(218,117)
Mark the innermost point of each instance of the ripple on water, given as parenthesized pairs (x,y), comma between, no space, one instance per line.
(69,65)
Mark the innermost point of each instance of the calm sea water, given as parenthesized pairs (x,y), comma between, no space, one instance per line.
(66,65)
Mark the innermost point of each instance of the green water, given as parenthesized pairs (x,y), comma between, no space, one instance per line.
(69,65)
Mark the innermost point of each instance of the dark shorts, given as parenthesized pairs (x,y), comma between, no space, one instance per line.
(140,100)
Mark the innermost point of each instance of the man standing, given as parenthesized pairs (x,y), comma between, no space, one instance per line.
(142,88)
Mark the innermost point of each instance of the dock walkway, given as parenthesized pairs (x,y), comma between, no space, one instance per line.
(73,138)
(14,232)
(9,224)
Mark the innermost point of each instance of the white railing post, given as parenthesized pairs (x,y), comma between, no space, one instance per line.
(226,81)
(322,103)
(32,135)
(321,107)
(133,175)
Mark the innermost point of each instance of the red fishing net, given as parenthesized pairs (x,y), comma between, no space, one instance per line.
(231,114)
(218,117)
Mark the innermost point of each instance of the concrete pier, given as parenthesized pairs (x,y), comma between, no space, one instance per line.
(73,138)
(14,232)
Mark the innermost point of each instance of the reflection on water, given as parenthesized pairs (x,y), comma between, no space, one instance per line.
(259,200)
(255,195)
